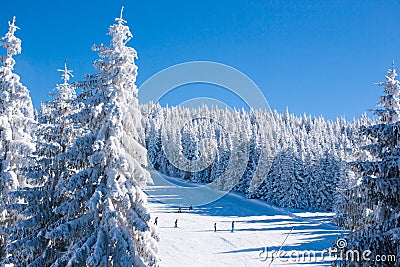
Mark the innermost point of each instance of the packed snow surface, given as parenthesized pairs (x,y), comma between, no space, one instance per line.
(257,226)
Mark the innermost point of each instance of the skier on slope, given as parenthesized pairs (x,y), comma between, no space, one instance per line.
(215,227)
(176,223)
(156,220)
(233,226)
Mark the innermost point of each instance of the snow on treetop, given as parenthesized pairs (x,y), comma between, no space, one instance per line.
(12,27)
(12,43)
(66,73)
(120,20)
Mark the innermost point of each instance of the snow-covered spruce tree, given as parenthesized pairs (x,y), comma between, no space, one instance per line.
(62,104)
(104,219)
(16,123)
(55,135)
(349,179)
(243,184)
(377,199)
(59,126)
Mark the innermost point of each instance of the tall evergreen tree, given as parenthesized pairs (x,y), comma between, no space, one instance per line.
(16,124)
(374,204)
(56,133)
(104,217)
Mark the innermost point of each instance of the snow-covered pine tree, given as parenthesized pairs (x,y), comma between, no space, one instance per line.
(16,124)
(151,112)
(323,182)
(344,202)
(59,126)
(55,135)
(104,215)
(244,182)
(64,96)
(377,197)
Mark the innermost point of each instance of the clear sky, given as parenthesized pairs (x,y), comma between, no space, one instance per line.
(318,57)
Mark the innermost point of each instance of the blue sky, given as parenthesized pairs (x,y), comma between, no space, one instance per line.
(318,57)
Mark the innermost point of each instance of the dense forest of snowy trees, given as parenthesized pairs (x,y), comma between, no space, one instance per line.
(72,177)
(291,161)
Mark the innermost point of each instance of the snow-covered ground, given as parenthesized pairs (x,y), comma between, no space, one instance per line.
(257,226)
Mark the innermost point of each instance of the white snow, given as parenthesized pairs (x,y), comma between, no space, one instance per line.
(257,225)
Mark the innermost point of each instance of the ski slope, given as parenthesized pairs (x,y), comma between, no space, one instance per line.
(257,225)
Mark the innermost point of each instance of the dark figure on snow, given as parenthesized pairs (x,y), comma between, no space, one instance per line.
(156,220)
(233,226)
(215,227)
(180,209)
(176,223)
(190,207)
